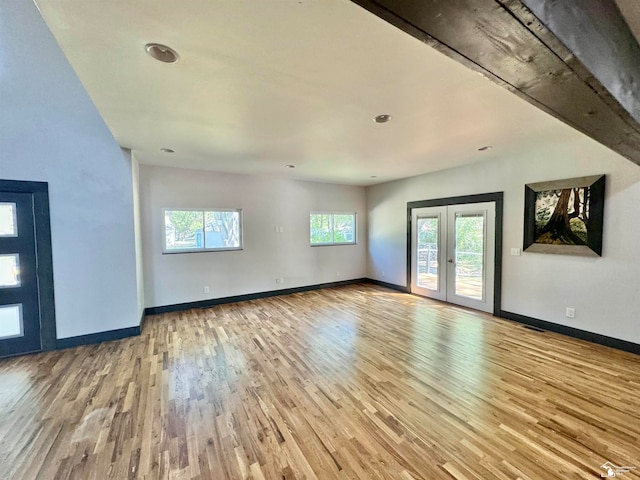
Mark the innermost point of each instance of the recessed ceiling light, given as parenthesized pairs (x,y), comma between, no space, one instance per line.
(485,148)
(167,150)
(289,166)
(382,118)
(162,53)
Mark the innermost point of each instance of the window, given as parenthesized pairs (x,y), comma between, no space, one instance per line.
(202,230)
(332,228)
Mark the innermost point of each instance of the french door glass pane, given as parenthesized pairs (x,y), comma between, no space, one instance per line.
(469,255)
(427,257)
(9,271)
(8,226)
(11,321)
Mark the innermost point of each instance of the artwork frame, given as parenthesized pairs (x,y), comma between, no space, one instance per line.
(550,227)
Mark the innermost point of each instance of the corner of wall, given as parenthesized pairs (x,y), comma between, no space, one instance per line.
(135,183)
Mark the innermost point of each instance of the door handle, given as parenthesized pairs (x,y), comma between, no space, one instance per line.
(450,260)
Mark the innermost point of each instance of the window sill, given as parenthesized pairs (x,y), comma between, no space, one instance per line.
(200,250)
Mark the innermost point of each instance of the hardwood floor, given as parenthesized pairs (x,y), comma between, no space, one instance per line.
(348,383)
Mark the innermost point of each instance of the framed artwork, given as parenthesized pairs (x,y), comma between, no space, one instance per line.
(564,216)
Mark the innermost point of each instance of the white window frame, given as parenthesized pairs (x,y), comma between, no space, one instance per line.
(203,249)
(329,244)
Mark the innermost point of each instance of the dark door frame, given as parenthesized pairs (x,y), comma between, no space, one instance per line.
(44,256)
(498,199)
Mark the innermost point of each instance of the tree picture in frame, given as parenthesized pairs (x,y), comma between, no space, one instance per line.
(565,216)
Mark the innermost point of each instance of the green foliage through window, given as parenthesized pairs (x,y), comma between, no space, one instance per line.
(332,228)
(198,230)
(470,245)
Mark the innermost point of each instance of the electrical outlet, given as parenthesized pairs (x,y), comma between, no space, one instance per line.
(570,312)
(280,280)
(206,289)
(337,274)
(515,252)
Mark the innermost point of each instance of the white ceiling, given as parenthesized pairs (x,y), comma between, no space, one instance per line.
(261,84)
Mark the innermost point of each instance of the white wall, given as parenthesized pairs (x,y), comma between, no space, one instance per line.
(604,291)
(266,203)
(50,131)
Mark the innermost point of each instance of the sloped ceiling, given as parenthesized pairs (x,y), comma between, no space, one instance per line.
(260,85)
(631,12)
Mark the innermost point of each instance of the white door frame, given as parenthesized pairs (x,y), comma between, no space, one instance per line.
(497,199)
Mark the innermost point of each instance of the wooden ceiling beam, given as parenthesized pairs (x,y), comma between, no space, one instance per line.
(505,41)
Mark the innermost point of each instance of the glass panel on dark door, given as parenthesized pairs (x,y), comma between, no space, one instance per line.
(11,321)
(8,226)
(9,271)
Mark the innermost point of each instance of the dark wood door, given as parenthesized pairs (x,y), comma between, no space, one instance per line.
(19,298)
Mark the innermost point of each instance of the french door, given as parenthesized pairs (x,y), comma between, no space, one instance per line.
(453,254)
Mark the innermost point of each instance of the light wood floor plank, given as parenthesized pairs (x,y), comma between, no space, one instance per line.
(358,382)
